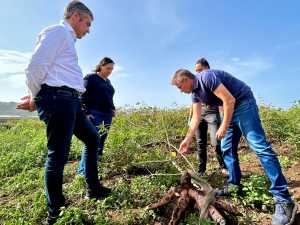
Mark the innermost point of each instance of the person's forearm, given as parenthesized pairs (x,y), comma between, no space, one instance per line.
(191,112)
(192,129)
(228,108)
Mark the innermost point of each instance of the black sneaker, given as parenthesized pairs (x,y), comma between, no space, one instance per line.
(230,190)
(100,193)
(51,219)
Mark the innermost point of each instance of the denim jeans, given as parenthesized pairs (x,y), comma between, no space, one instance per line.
(61,111)
(102,123)
(211,121)
(246,121)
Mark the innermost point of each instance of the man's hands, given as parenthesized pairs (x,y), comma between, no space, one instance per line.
(228,108)
(27,103)
(184,146)
(194,117)
(221,132)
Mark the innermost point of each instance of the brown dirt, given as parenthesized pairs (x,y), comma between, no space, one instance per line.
(252,166)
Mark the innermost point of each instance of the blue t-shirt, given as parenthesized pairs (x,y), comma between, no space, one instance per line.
(208,80)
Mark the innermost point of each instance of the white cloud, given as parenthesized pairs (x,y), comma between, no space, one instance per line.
(235,59)
(12,77)
(16,81)
(13,63)
(119,72)
(244,68)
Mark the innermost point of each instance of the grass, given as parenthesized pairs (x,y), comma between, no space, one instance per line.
(137,136)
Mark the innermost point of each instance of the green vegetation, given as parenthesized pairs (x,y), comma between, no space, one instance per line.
(256,194)
(283,126)
(137,164)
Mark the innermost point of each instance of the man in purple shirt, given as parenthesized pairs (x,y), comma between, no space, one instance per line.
(219,88)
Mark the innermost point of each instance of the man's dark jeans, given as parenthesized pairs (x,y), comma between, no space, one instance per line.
(60,109)
(211,121)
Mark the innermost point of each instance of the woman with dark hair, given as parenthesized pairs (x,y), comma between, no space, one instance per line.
(98,103)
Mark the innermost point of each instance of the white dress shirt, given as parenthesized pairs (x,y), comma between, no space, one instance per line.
(55,61)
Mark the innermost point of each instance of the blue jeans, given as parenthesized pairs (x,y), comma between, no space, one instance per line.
(245,121)
(60,109)
(102,123)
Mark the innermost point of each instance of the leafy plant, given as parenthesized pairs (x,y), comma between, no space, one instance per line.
(137,139)
(256,193)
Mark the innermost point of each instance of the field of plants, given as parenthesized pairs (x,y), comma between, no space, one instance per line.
(137,165)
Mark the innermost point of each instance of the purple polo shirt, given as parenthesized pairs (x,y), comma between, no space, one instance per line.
(207,81)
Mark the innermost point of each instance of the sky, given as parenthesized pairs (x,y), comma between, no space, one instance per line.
(256,41)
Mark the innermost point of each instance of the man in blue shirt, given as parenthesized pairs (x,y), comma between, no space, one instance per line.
(219,88)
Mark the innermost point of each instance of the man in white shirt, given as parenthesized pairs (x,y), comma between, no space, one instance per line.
(55,82)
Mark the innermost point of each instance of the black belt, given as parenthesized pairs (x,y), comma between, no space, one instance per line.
(209,107)
(72,91)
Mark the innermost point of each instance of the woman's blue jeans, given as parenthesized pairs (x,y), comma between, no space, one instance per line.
(246,121)
(102,123)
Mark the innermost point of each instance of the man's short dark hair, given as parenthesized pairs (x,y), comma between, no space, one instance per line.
(77,6)
(203,62)
(180,75)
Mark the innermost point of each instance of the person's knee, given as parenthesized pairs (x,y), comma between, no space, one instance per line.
(213,142)
(100,151)
(201,147)
(265,152)
(226,147)
(226,152)
(94,139)
(262,148)
(55,165)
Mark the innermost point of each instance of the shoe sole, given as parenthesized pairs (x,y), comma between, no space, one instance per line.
(96,198)
(92,198)
(295,209)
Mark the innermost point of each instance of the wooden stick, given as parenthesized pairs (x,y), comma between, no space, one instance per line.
(153,161)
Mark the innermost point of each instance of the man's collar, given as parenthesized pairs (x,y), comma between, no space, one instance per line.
(69,28)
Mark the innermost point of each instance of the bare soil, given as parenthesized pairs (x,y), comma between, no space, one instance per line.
(250,165)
